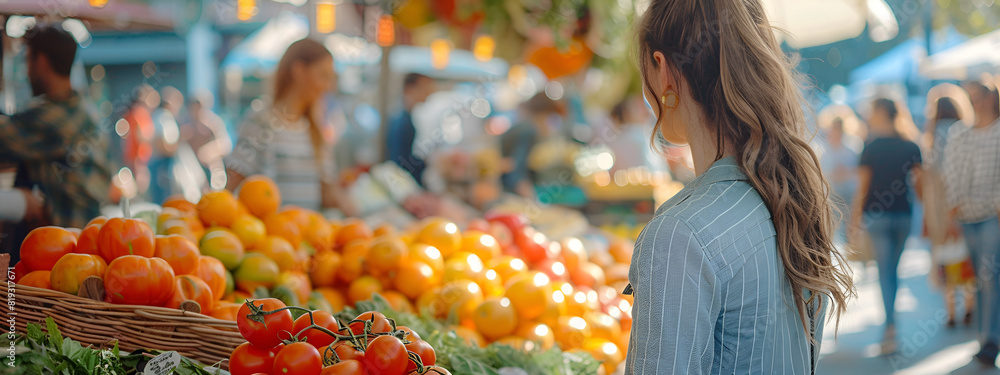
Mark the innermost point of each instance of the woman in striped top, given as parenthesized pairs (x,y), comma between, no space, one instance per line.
(283,141)
(735,273)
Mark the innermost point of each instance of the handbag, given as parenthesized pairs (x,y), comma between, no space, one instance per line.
(954,266)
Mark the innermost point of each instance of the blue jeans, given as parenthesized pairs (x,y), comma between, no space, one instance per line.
(888,232)
(983,240)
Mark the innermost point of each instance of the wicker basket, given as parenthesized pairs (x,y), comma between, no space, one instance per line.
(193,335)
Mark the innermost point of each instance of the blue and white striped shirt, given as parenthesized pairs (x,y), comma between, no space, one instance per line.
(711,295)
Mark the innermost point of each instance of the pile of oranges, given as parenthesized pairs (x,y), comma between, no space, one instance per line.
(497,281)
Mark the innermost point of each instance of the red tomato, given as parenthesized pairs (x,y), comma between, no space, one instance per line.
(533,244)
(86,243)
(177,250)
(345,350)
(21,270)
(189,287)
(386,355)
(411,335)
(213,273)
(345,367)
(275,327)
(424,350)
(433,370)
(248,359)
(379,325)
(298,358)
(70,271)
(316,337)
(138,280)
(44,246)
(37,279)
(120,237)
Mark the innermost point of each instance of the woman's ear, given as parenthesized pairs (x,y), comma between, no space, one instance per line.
(662,79)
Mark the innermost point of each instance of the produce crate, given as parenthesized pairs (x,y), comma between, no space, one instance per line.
(89,320)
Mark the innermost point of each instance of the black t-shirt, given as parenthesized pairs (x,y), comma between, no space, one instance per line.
(890,159)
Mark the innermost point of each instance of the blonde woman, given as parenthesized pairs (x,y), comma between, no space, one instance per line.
(737,271)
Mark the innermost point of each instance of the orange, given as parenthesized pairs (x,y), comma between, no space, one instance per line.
(385,230)
(555,306)
(224,245)
(217,208)
(353,230)
(495,318)
(324,269)
(319,233)
(460,298)
(363,288)
(616,273)
(621,251)
(516,343)
(398,301)
(279,250)
(463,266)
(581,301)
(352,263)
(298,215)
(539,333)
(168,213)
(507,267)
(183,205)
(427,254)
(469,335)
(573,252)
(571,331)
(528,294)
(441,234)
(255,271)
(260,195)
(491,284)
(414,278)
(386,255)
(587,274)
(334,297)
(429,302)
(604,351)
(481,244)
(602,259)
(250,230)
(298,282)
(603,325)
(282,226)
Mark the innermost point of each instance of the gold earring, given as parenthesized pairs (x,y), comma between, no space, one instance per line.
(670,97)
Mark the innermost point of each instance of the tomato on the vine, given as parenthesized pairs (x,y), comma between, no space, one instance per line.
(379,325)
(269,333)
(433,370)
(345,350)
(346,367)
(386,355)
(424,350)
(411,335)
(249,359)
(298,358)
(314,336)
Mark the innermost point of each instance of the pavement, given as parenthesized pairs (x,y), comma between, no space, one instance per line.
(925,344)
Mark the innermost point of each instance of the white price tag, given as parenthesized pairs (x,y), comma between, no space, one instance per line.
(163,364)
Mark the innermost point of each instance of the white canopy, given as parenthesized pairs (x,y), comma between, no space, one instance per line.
(807,23)
(978,55)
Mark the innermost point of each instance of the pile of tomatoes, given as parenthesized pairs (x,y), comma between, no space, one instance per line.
(316,343)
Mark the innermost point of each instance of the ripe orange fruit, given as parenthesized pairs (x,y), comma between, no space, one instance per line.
(414,278)
(250,230)
(180,227)
(427,254)
(336,299)
(223,245)
(324,269)
(44,246)
(429,302)
(613,274)
(463,266)
(213,273)
(181,254)
(217,208)
(353,230)
(37,279)
(528,294)
(180,204)
(507,267)
(363,288)
(298,282)
(516,343)
(69,272)
(385,230)
(282,226)
(481,244)
(279,250)
(460,297)
(491,284)
(539,333)
(573,252)
(398,301)
(319,233)
(621,251)
(587,274)
(386,255)
(604,351)
(571,332)
(603,326)
(86,242)
(442,234)
(298,215)
(495,318)
(260,195)
(468,334)
(352,263)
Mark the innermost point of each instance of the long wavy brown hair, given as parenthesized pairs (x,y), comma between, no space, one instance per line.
(751,96)
(306,52)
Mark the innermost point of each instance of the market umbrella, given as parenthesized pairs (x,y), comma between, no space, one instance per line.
(978,55)
(808,23)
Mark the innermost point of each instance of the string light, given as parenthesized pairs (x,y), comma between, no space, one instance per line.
(484,47)
(326,17)
(386,33)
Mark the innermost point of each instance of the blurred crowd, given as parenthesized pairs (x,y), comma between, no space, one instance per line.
(882,167)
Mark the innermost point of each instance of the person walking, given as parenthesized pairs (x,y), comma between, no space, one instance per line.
(972,182)
(737,272)
(882,205)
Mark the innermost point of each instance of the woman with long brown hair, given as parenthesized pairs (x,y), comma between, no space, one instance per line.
(736,272)
(284,141)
